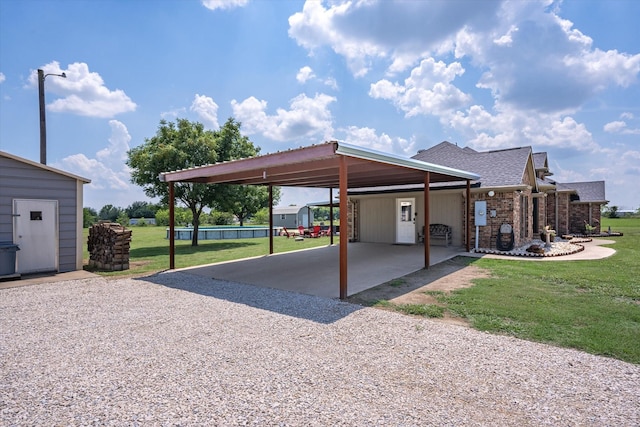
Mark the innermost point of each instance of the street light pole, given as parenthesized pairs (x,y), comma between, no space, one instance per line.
(43,120)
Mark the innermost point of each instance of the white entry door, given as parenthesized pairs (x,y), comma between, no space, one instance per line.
(405,220)
(35,232)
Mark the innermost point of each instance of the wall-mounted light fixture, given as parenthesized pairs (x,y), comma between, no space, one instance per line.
(491,193)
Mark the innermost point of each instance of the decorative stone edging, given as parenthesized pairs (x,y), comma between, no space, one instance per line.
(557,249)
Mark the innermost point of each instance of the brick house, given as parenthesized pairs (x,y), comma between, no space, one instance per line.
(513,182)
(569,206)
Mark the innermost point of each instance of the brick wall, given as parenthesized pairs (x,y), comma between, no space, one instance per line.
(507,207)
(563,213)
(581,212)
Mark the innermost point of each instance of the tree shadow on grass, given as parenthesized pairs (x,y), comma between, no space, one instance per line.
(302,306)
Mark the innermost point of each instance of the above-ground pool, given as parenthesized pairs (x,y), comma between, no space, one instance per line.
(223,232)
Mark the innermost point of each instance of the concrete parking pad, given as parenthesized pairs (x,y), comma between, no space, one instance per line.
(316,271)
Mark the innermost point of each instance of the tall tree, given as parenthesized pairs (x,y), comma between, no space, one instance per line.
(245,200)
(187,145)
(141,210)
(176,146)
(110,212)
(241,200)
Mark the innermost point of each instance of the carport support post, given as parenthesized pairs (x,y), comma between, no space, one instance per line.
(427,238)
(172,245)
(344,227)
(468,217)
(270,219)
(331,216)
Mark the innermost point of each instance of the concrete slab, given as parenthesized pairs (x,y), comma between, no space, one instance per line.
(316,271)
(34,279)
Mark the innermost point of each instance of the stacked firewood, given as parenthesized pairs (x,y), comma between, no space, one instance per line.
(108,245)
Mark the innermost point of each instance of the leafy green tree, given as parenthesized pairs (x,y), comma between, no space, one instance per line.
(123,219)
(141,210)
(182,217)
(261,217)
(611,211)
(89,217)
(245,200)
(110,213)
(240,200)
(185,145)
(220,218)
(176,146)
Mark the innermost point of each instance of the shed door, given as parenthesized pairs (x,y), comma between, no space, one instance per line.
(35,232)
(406,221)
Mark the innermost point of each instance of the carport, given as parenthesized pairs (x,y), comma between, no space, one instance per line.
(332,165)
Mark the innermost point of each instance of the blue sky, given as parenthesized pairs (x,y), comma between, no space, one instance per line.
(562,77)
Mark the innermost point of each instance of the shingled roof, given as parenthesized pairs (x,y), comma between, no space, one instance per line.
(499,168)
(588,192)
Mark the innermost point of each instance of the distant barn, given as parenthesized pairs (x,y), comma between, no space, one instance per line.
(292,216)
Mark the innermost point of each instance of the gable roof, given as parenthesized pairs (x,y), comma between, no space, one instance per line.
(588,192)
(499,168)
(43,167)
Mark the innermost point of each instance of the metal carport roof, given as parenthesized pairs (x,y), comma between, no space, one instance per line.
(329,165)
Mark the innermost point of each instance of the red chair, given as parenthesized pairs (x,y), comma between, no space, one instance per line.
(315,232)
(301,230)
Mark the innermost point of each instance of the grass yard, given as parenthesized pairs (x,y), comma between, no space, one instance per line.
(149,251)
(588,305)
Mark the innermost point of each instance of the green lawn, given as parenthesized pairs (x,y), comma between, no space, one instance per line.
(150,250)
(588,305)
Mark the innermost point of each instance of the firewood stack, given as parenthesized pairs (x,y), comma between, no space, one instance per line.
(108,245)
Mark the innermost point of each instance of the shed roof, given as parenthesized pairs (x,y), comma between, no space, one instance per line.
(319,166)
(287,210)
(44,167)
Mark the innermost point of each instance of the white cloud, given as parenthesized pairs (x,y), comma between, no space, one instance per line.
(538,68)
(367,137)
(509,128)
(304,74)
(172,114)
(2,77)
(110,176)
(365,31)
(116,152)
(620,127)
(428,90)
(206,109)
(306,118)
(223,4)
(82,92)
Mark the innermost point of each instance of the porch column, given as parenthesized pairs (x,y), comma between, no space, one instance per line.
(427,239)
(270,219)
(172,243)
(344,227)
(468,217)
(331,216)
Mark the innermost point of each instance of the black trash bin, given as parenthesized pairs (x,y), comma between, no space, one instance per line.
(8,258)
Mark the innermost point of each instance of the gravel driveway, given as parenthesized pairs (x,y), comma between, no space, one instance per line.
(178,349)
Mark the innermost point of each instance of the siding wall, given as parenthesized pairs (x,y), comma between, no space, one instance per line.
(23,181)
(377,215)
